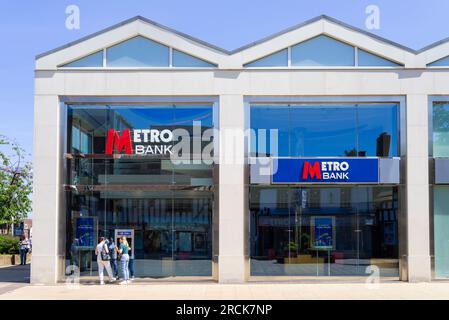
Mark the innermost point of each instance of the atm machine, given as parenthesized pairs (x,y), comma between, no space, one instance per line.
(129,234)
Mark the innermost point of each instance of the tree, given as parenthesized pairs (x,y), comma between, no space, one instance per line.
(16,178)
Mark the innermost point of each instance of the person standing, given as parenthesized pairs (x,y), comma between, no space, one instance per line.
(131,264)
(123,250)
(103,258)
(113,254)
(24,246)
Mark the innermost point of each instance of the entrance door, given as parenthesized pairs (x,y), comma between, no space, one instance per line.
(177,240)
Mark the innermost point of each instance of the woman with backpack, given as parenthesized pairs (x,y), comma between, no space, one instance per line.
(103,258)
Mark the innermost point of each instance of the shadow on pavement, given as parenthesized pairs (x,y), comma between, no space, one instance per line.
(15,274)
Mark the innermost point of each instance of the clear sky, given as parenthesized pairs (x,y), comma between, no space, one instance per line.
(28,28)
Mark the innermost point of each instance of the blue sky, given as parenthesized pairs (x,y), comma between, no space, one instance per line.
(28,28)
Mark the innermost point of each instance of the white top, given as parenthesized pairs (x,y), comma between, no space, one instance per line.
(100,247)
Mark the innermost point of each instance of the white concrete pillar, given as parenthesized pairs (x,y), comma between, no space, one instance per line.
(46,190)
(418,233)
(232,206)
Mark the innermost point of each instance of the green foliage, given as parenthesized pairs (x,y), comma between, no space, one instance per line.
(15,182)
(9,245)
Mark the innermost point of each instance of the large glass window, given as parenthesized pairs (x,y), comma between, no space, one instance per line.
(138,52)
(181,59)
(322,51)
(443,62)
(167,205)
(440,126)
(94,60)
(324,231)
(277,59)
(366,59)
(325,130)
(441,227)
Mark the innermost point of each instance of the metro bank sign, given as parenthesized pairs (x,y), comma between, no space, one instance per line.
(325,170)
(140,142)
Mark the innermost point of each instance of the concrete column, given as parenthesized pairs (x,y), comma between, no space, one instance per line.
(46,191)
(417,190)
(232,206)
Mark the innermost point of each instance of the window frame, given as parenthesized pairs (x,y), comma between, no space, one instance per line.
(104,51)
(283,100)
(355,66)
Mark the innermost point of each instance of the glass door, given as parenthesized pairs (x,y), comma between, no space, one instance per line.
(192,233)
(177,239)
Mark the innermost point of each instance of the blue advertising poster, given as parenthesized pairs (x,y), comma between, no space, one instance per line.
(85,232)
(323,233)
(325,170)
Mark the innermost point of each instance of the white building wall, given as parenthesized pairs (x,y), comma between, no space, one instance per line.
(47,187)
(417,163)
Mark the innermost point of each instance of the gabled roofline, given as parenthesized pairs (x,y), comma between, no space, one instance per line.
(433,45)
(330,19)
(118,25)
(265,39)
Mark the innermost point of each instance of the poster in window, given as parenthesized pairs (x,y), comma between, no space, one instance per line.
(185,241)
(85,232)
(323,232)
(199,243)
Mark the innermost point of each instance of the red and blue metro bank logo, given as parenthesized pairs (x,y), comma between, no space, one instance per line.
(325,170)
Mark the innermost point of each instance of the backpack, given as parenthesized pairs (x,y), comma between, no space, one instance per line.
(105,255)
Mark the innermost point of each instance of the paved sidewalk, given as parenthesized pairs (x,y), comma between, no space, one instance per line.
(14,284)
(205,291)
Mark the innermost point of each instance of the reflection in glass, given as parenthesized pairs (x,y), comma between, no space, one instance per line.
(138,52)
(181,59)
(323,231)
(168,205)
(172,229)
(440,129)
(322,51)
(443,62)
(277,59)
(441,227)
(326,130)
(94,60)
(366,59)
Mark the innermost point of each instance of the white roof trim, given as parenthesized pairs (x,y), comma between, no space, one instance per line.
(235,59)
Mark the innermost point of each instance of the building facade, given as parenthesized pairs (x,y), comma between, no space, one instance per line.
(321,152)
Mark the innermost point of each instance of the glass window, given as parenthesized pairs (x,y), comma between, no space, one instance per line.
(325,130)
(366,59)
(444,62)
(440,130)
(181,59)
(323,231)
(89,127)
(377,130)
(322,51)
(278,59)
(138,52)
(167,205)
(94,60)
(262,119)
(441,236)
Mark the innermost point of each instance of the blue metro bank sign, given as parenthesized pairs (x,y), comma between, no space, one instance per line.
(325,170)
